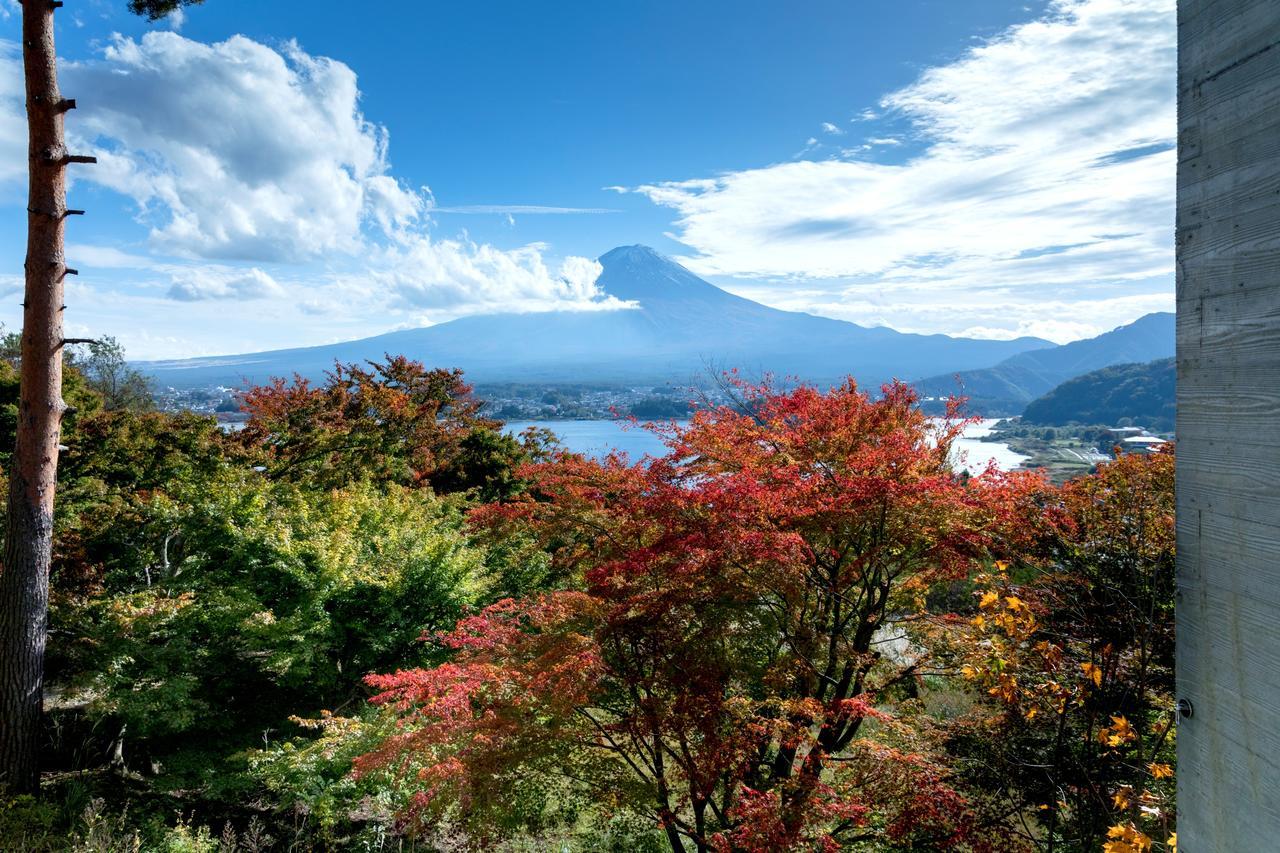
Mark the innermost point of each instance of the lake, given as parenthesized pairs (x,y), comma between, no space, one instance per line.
(597,438)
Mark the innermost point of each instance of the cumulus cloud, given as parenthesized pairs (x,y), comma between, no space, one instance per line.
(197,284)
(1046,157)
(236,150)
(453,277)
(240,152)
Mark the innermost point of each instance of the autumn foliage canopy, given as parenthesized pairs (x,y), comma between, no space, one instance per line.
(740,655)
(807,625)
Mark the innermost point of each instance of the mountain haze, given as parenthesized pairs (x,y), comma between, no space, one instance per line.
(682,324)
(1007,387)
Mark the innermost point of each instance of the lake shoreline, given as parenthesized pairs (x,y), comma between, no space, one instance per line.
(596,437)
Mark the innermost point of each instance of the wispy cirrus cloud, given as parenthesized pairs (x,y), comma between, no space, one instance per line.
(13,122)
(521,209)
(1044,159)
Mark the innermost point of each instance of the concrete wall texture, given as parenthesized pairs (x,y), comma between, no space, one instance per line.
(1228,245)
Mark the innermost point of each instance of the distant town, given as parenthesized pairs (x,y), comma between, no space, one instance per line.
(506,401)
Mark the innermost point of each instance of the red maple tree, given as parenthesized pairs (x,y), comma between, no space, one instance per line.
(394,421)
(751,617)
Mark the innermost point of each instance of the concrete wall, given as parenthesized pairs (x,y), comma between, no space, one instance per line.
(1228,238)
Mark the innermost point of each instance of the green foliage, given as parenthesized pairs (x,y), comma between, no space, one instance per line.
(241,601)
(154,10)
(28,825)
(108,374)
(314,774)
(656,408)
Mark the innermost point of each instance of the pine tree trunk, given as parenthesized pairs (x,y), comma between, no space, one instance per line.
(24,577)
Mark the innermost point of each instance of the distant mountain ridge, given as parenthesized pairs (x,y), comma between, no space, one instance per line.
(1007,387)
(682,326)
(1143,392)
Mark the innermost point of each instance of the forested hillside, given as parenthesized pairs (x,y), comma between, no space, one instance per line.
(1143,393)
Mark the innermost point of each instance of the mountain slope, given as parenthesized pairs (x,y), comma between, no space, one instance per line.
(1143,392)
(1007,387)
(682,325)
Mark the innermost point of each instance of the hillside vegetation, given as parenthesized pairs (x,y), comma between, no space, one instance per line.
(1144,393)
(369,620)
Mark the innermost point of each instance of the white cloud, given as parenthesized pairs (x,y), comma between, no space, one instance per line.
(449,278)
(238,152)
(198,284)
(828,127)
(524,209)
(980,312)
(235,150)
(13,120)
(106,257)
(1047,159)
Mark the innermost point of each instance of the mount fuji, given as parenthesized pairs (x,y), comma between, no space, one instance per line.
(682,326)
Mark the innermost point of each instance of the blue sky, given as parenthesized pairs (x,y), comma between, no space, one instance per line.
(279,174)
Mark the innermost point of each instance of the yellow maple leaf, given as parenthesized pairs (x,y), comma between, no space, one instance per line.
(1126,838)
(1093,673)
(1160,771)
(1173,843)
(989,598)
(1013,602)
(1121,798)
(1118,733)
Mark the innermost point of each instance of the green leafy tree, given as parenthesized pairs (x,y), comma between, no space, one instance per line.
(239,602)
(106,372)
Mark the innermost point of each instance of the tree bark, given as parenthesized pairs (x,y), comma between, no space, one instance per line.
(24,577)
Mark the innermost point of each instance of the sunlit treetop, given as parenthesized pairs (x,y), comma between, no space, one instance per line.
(157,9)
